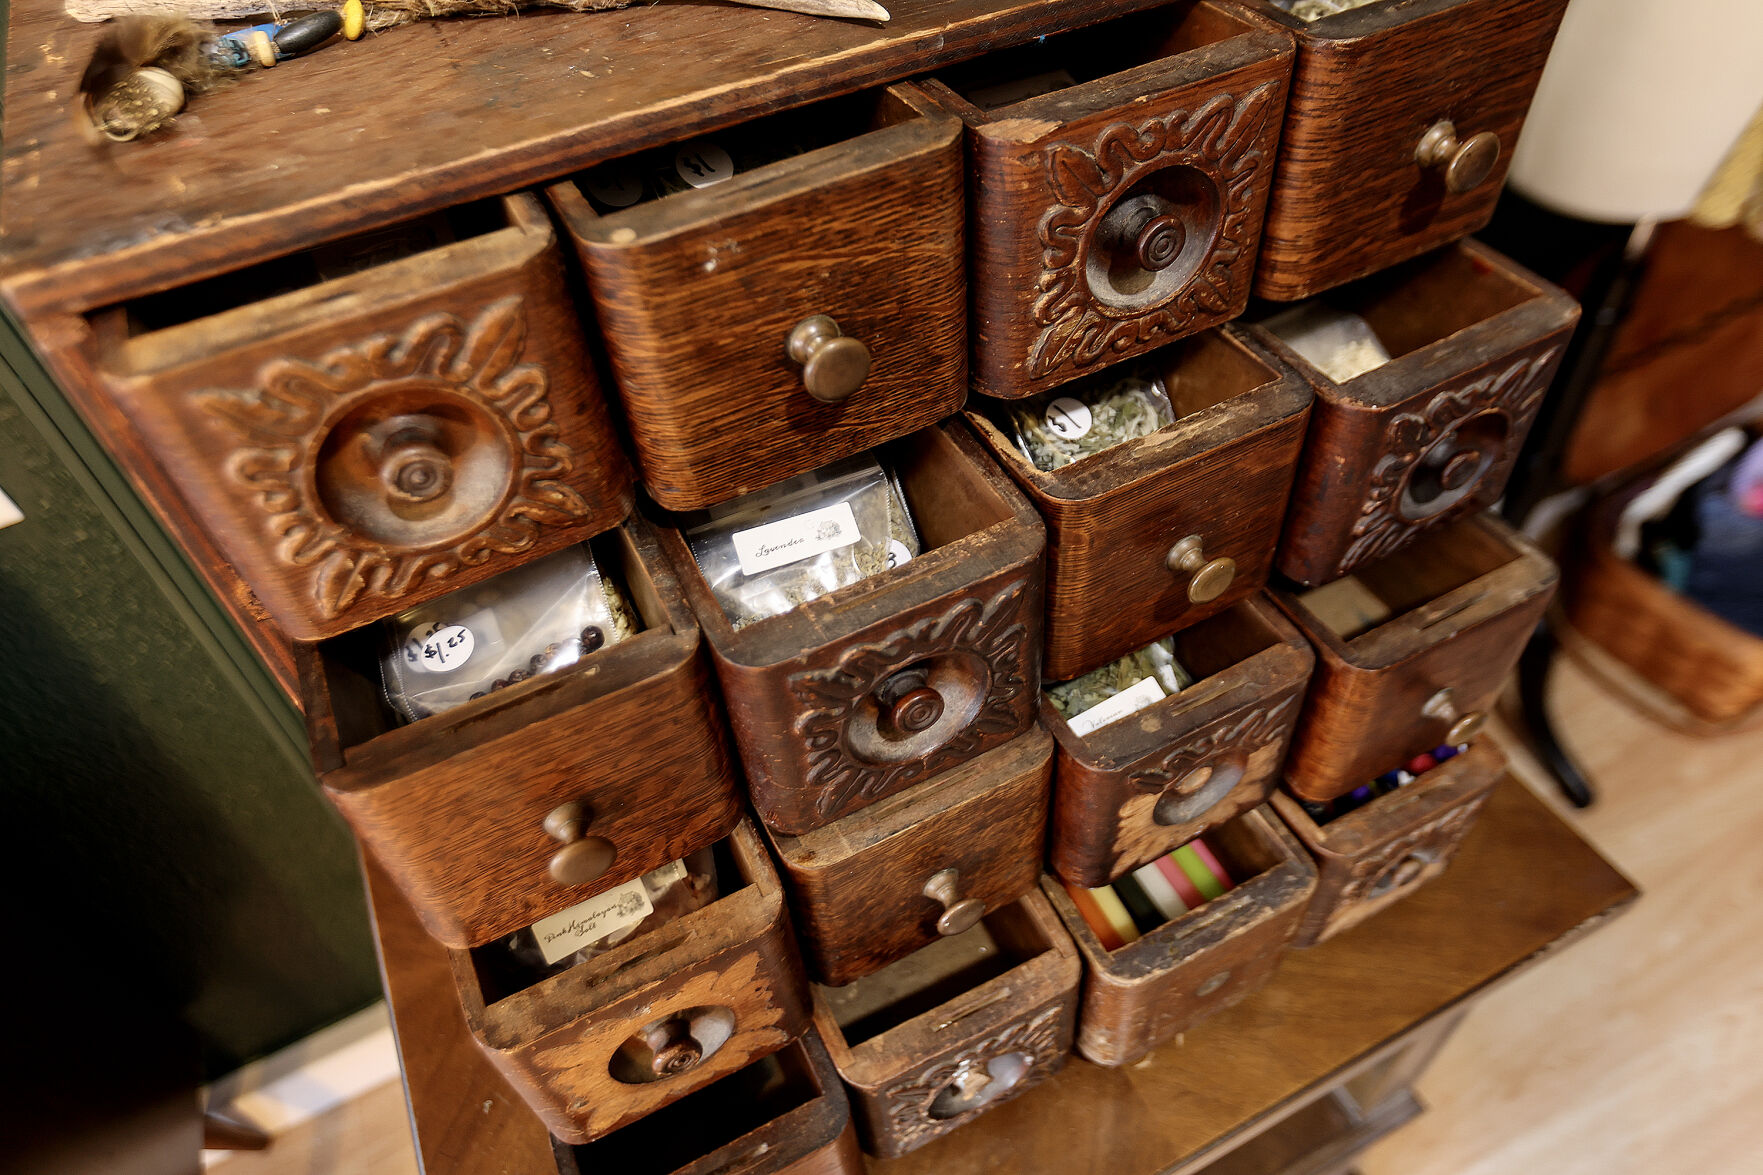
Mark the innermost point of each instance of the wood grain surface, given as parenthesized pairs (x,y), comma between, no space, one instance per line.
(1475,340)
(1135,789)
(856,885)
(697,294)
(454,806)
(288,158)
(1465,598)
(1139,997)
(1349,197)
(1221,472)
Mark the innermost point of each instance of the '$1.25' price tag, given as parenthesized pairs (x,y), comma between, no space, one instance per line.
(439,647)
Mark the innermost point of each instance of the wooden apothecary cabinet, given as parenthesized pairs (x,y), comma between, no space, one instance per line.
(880,883)
(665,1013)
(1433,434)
(1383,851)
(709,299)
(1141,995)
(455,806)
(1157,533)
(785,1114)
(806,689)
(1151,782)
(967,1023)
(1398,132)
(383,432)
(1117,181)
(1462,601)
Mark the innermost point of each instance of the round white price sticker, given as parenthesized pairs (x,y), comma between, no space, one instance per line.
(899,554)
(439,647)
(616,185)
(703,163)
(1068,418)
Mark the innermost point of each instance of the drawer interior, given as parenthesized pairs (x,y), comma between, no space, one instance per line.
(1438,563)
(933,976)
(706,1120)
(997,81)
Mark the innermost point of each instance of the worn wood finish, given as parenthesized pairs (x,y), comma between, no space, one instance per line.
(697,294)
(800,686)
(1713,668)
(555,1042)
(1222,473)
(857,885)
(363,444)
(291,157)
(1475,341)
(1349,197)
(1465,600)
(1141,996)
(785,1114)
(1135,789)
(963,1026)
(1381,852)
(1175,114)
(453,806)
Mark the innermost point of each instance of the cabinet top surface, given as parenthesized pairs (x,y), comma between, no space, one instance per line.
(1523,883)
(414,119)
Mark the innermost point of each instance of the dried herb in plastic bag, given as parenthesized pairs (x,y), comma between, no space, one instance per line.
(1155,661)
(1081,419)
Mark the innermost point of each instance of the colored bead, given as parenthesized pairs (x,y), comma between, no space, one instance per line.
(142,103)
(1421,764)
(307,33)
(261,48)
(354,19)
(592,638)
(1443,753)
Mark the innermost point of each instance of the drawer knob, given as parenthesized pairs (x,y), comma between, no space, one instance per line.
(912,712)
(1443,706)
(582,858)
(833,365)
(414,470)
(1159,243)
(1211,577)
(959,914)
(1466,163)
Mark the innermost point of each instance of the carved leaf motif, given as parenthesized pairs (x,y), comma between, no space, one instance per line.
(1248,732)
(1433,843)
(907,1102)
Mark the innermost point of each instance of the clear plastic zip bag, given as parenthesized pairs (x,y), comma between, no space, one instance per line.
(767,552)
(1070,423)
(535,619)
(1308,10)
(1339,344)
(1154,664)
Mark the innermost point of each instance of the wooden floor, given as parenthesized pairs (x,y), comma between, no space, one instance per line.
(1638,1050)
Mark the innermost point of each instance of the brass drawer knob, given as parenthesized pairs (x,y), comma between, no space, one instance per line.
(1211,577)
(833,365)
(1159,242)
(582,858)
(959,914)
(1443,706)
(413,470)
(1466,163)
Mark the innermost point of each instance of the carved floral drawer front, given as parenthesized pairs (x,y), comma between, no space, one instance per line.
(372,440)
(797,312)
(925,864)
(1137,788)
(916,1073)
(1118,176)
(857,695)
(1399,130)
(1433,434)
(657,1017)
(1412,651)
(1385,850)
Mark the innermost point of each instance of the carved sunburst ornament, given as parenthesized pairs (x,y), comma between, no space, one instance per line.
(402,458)
(1243,733)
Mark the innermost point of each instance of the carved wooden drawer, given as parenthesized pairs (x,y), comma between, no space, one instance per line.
(1461,603)
(1159,532)
(663,1014)
(1385,850)
(1117,181)
(1398,132)
(1137,788)
(1143,994)
(361,444)
(882,882)
(962,619)
(700,294)
(785,1114)
(1433,434)
(967,1023)
(455,806)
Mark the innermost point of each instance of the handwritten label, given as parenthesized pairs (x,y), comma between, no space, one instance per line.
(1143,692)
(562,935)
(802,536)
(899,554)
(1069,418)
(703,163)
(439,647)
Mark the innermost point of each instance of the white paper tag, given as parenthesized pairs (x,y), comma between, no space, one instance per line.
(443,646)
(1068,418)
(665,876)
(617,185)
(702,163)
(802,536)
(9,511)
(899,554)
(562,935)
(1141,693)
